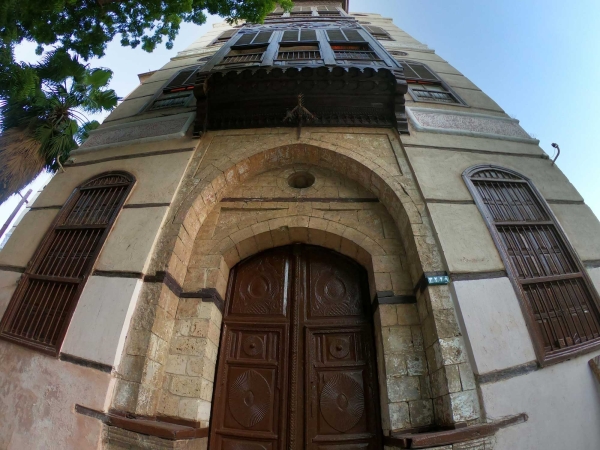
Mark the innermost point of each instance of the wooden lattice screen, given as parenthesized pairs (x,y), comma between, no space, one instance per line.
(43,303)
(560,301)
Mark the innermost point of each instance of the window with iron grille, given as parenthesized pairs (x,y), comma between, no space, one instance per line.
(561,306)
(178,91)
(356,54)
(299,45)
(298,53)
(249,48)
(425,86)
(378,33)
(41,307)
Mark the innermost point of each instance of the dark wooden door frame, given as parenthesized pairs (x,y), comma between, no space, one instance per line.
(322,323)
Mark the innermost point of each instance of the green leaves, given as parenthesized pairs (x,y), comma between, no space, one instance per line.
(51,108)
(85,27)
(97,78)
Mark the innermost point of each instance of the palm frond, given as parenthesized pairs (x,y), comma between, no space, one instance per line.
(21,161)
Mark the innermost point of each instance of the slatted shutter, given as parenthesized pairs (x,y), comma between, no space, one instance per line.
(344,35)
(43,303)
(353,35)
(290,36)
(225,36)
(183,80)
(417,71)
(298,35)
(378,33)
(178,91)
(558,296)
(308,35)
(261,37)
(246,39)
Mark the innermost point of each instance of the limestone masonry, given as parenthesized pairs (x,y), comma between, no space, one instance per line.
(321,128)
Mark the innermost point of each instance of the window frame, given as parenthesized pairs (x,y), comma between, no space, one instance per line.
(543,358)
(43,249)
(383,36)
(437,82)
(221,40)
(157,96)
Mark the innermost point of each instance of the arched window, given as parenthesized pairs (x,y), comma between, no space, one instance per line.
(560,302)
(42,305)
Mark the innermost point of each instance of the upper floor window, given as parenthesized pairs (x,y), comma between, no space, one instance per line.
(426,86)
(178,92)
(344,35)
(378,33)
(301,11)
(561,306)
(299,45)
(328,11)
(249,48)
(224,36)
(41,307)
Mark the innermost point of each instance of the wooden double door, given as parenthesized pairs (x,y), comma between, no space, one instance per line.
(297,366)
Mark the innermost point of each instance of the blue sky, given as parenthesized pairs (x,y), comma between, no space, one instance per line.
(539,60)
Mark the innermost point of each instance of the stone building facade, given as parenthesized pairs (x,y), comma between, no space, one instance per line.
(390,158)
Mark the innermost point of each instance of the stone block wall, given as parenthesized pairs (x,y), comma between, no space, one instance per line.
(222,216)
(190,365)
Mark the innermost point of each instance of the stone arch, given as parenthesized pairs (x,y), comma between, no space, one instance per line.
(220,255)
(153,343)
(215,177)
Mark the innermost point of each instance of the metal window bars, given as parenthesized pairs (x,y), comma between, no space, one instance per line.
(557,294)
(40,309)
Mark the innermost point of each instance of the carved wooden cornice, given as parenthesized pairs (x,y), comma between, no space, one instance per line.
(337,96)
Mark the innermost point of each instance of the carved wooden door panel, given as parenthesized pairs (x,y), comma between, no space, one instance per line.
(297,364)
(251,383)
(342,410)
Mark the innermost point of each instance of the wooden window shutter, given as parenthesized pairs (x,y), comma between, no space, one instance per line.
(408,71)
(290,35)
(246,39)
(344,35)
(308,35)
(560,303)
(41,307)
(336,35)
(417,71)
(261,37)
(298,35)
(375,30)
(353,35)
(227,34)
(184,79)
